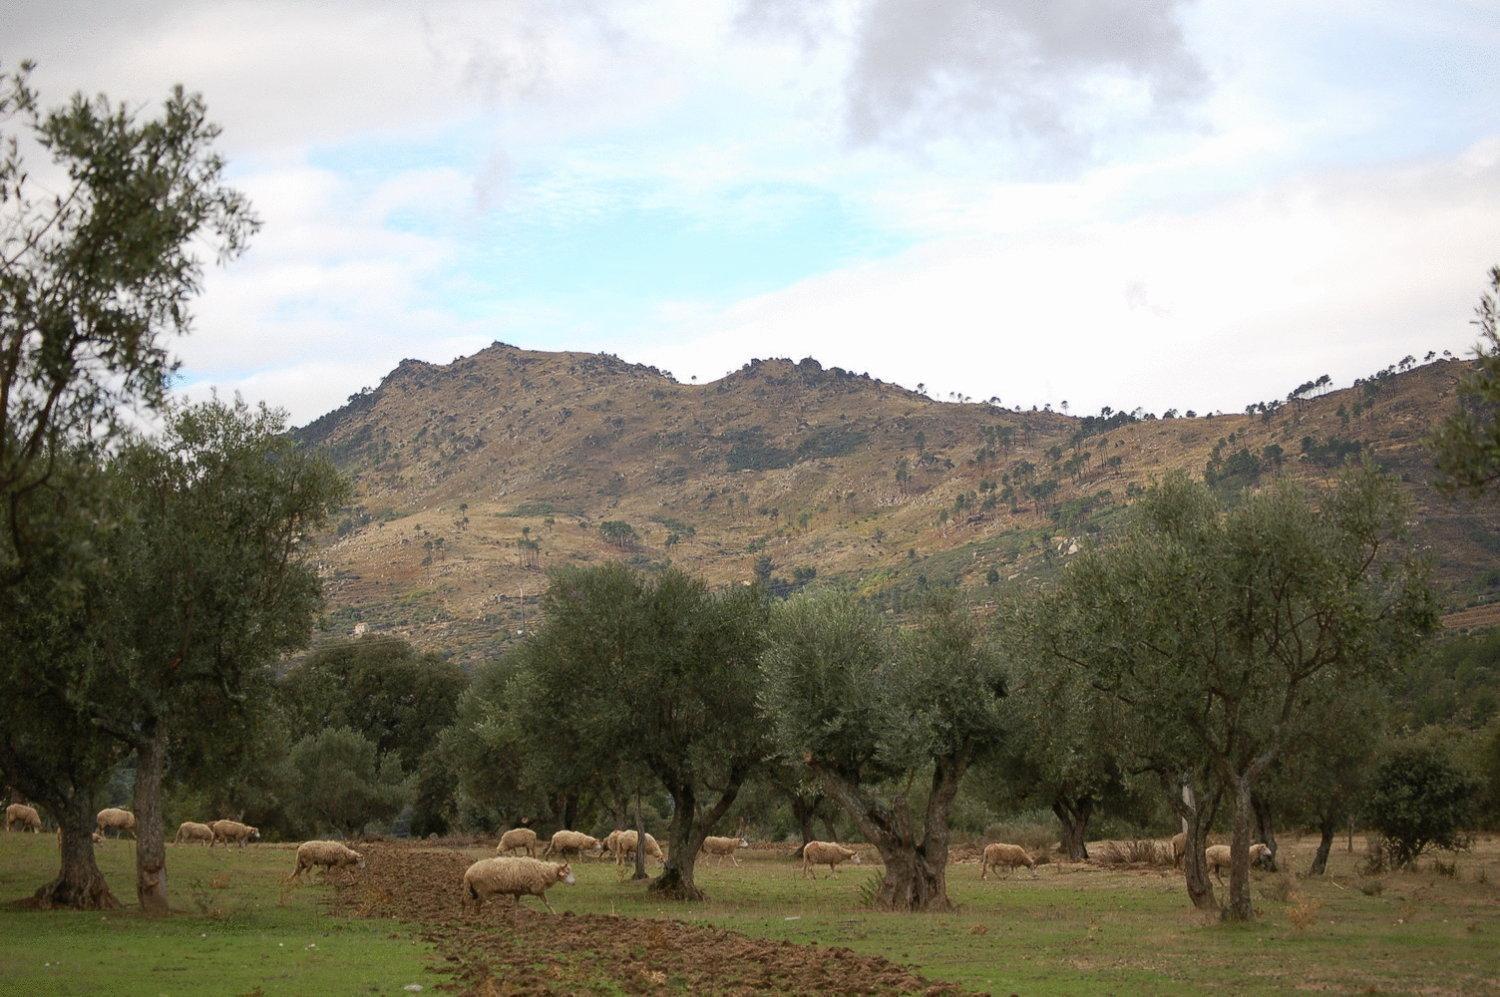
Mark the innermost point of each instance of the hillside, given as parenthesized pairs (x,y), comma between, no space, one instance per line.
(475,477)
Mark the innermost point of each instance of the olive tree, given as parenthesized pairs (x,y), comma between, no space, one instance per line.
(656,673)
(1215,629)
(870,711)
(97,269)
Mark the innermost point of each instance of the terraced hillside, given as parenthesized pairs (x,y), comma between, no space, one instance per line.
(475,477)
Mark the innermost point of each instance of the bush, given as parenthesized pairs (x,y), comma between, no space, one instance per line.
(340,783)
(1420,798)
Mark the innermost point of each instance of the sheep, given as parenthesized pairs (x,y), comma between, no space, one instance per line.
(117,820)
(722,847)
(518,837)
(827,853)
(25,816)
(622,844)
(1009,856)
(1179,847)
(566,842)
(328,854)
(190,831)
(232,830)
(1218,857)
(514,877)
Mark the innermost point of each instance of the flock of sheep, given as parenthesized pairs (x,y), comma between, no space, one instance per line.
(516,876)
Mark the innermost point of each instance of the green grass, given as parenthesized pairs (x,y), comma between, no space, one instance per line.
(1081,928)
(232,932)
(1071,929)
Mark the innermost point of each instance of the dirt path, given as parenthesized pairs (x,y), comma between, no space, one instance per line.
(527,951)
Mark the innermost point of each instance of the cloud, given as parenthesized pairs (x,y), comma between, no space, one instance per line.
(1341,273)
(1050,75)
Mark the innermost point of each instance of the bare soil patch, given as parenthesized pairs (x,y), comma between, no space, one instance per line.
(507,950)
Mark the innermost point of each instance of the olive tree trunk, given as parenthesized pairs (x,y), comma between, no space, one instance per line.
(1196,815)
(686,835)
(79,883)
(640,840)
(150,829)
(803,811)
(916,871)
(1074,815)
(1327,828)
(1264,828)
(1239,907)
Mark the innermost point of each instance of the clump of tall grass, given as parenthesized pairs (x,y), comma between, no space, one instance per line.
(1132,851)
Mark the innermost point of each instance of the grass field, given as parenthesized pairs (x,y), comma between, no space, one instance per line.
(1071,929)
(234,935)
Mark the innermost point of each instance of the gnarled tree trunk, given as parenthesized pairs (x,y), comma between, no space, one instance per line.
(916,872)
(803,811)
(79,883)
(1196,815)
(686,835)
(150,830)
(1264,829)
(1074,815)
(1239,907)
(1327,827)
(640,840)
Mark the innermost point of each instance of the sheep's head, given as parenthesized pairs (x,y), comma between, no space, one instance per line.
(565,874)
(744,843)
(254,834)
(855,859)
(355,859)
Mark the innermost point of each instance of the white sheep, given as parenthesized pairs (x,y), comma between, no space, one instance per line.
(622,844)
(117,820)
(1218,857)
(328,854)
(232,830)
(569,842)
(517,838)
(722,847)
(827,853)
(1179,847)
(513,877)
(1009,856)
(189,831)
(25,816)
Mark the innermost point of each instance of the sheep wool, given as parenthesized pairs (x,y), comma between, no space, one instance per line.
(117,820)
(517,839)
(190,831)
(514,877)
(723,847)
(568,842)
(232,830)
(1008,856)
(19,816)
(328,854)
(829,853)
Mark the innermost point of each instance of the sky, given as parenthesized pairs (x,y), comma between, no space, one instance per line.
(1155,203)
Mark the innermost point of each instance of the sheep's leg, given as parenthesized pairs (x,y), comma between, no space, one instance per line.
(734,860)
(984,870)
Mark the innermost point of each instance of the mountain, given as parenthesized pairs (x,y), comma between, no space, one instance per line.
(475,477)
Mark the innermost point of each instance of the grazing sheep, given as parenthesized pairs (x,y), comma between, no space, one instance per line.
(328,854)
(573,842)
(722,847)
(232,830)
(1009,856)
(1179,847)
(513,877)
(518,837)
(621,844)
(22,817)
(190,831)
(1218,857)
(117,820)
(827,853)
